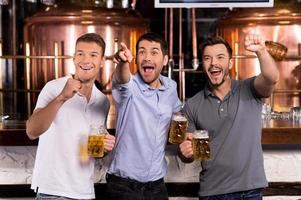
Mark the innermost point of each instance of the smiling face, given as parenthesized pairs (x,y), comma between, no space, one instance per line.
(88,59)
(216,64)
(150,61)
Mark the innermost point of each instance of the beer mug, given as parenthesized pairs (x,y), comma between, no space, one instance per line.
(96,140)
(200,145)
(177,131)
(277,50)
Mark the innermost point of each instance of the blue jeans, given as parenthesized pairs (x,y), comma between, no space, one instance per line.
(41,196)
(119,188)
(244,195)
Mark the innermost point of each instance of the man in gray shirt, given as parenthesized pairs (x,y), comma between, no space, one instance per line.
(231,112)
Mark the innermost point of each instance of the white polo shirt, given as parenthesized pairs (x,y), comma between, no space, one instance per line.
(58,170)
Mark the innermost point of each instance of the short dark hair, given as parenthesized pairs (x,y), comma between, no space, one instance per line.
(154,37)
(215,40)
(93,37)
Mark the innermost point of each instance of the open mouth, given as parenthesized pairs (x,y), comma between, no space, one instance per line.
(215,72)
(148,69)
(86,67)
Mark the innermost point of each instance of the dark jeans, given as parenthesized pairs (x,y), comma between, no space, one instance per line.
(126,189)
(244,195)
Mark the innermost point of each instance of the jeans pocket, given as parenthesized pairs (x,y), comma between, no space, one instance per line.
(253,194)
(41,196)
(158,189)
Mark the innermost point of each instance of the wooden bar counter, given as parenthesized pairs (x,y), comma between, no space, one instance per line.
(281,132)
(12,133)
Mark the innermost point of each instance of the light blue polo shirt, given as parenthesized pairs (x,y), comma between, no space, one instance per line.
(143,118)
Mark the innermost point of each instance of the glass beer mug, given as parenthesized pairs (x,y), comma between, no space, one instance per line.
(295,113)
(96,141)
(178,127)
(200,145)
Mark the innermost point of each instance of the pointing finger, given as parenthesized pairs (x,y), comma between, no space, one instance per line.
(123,46)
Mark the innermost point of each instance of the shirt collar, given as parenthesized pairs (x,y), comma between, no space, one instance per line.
(234,86)
(93,95)
(145,87)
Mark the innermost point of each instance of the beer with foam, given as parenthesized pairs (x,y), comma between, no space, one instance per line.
(96,141)
(200,145)
(177,132)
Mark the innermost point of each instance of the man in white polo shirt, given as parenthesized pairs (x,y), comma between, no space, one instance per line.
(64,111)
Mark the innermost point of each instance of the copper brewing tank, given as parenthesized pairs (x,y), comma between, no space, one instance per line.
(281,25)
(53,32)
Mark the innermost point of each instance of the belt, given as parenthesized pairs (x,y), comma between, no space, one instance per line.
(134,183)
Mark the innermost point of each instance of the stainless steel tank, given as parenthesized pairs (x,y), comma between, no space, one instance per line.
(281,25)
(53,31)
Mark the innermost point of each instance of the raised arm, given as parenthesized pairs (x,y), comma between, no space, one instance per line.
(42,118)
(269,76)
(123,58)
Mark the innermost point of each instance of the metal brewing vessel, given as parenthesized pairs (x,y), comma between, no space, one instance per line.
(53,31)
(281,25)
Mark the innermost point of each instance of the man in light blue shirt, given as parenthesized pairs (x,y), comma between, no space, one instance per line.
(145,103)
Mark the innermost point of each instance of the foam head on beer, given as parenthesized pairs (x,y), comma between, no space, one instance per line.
(179,117)
(200,145)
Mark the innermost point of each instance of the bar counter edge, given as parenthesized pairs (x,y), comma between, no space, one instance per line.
(174,189)
(277,135)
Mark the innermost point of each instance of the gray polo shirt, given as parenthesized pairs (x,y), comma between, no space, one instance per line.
(234,127)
